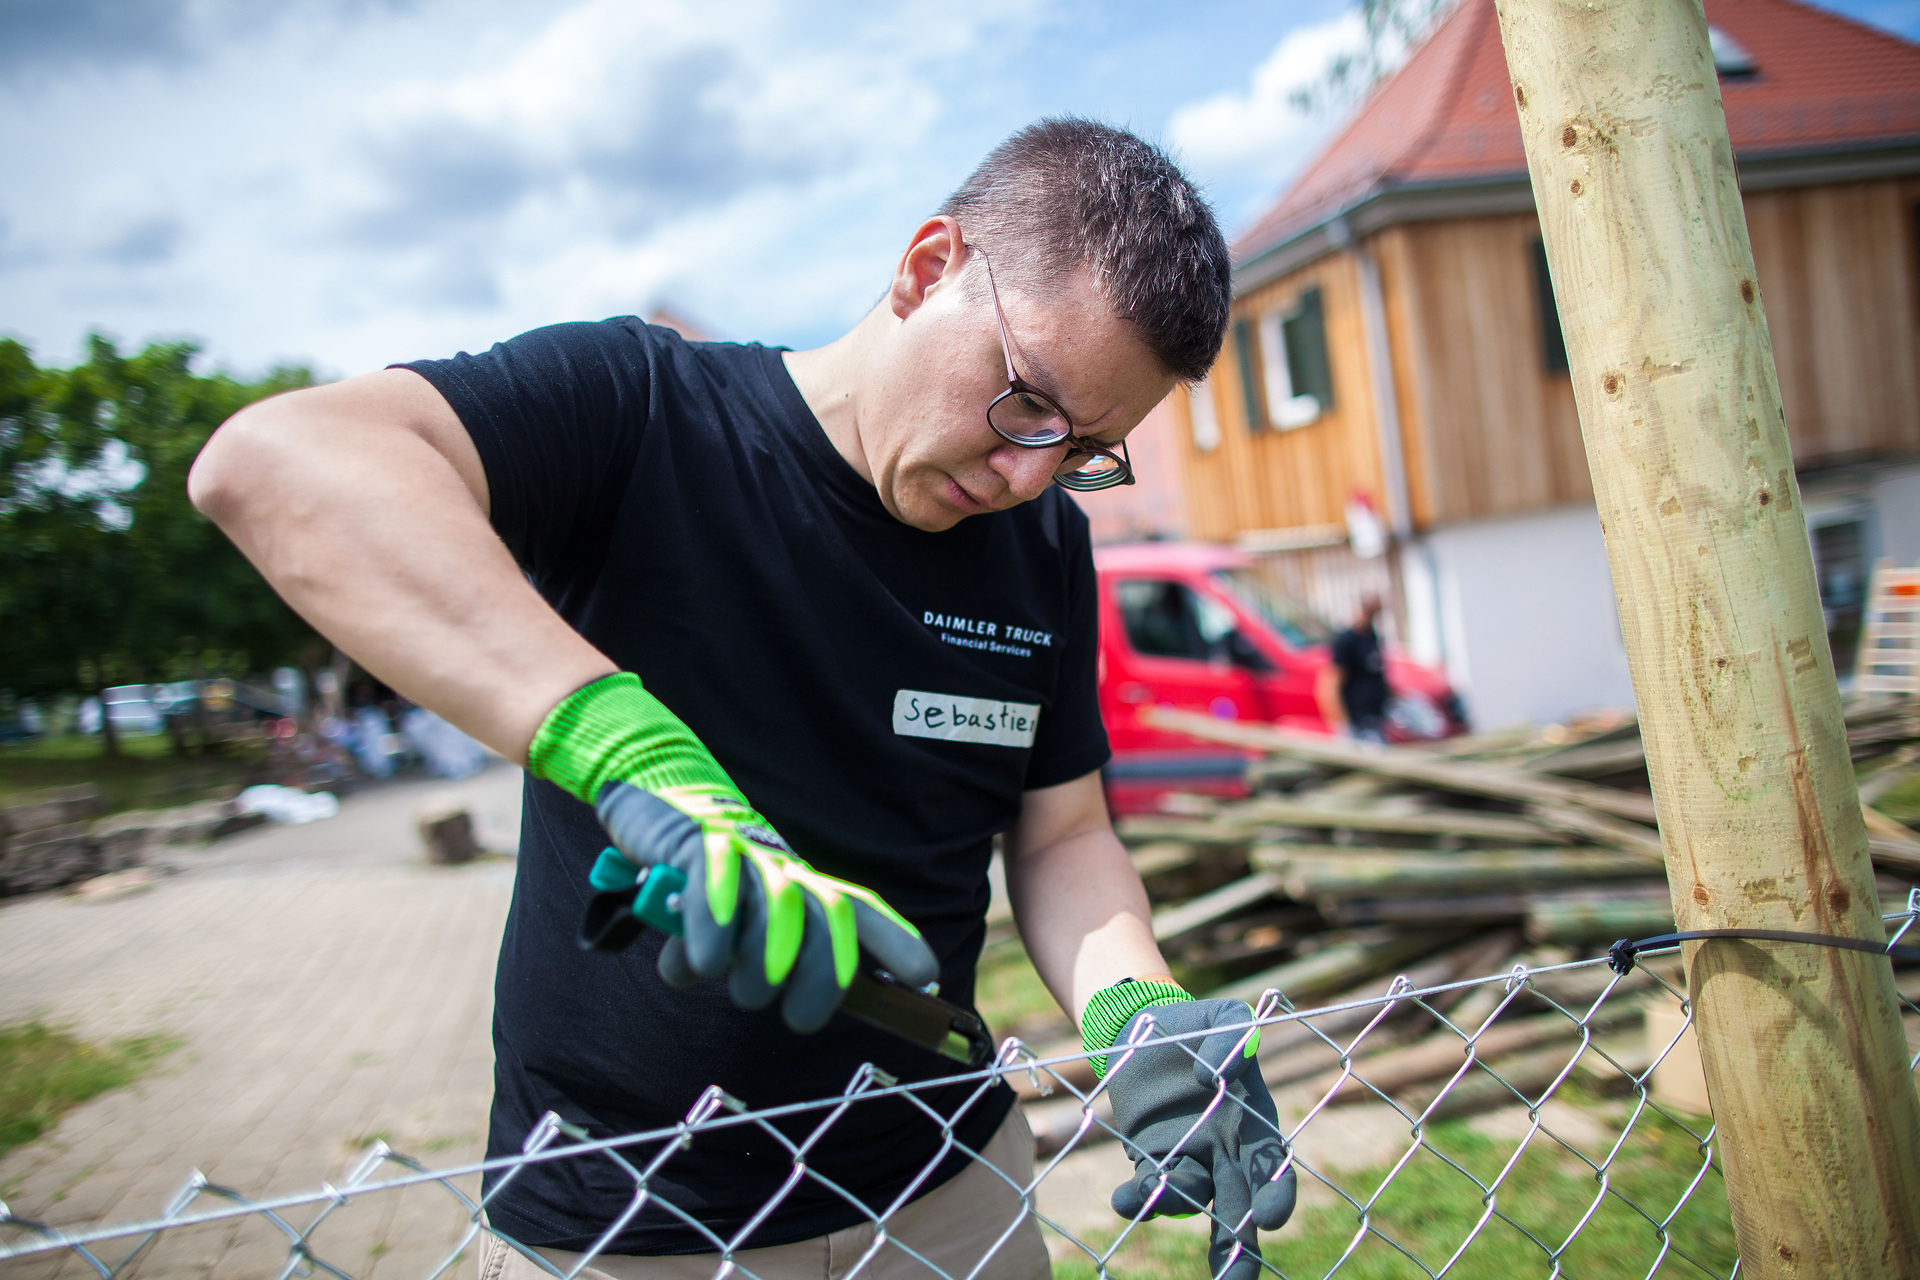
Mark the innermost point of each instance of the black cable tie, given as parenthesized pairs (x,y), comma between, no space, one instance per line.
(1620,955)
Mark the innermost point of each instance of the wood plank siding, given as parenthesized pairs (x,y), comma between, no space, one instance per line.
(1488,429)
(1498,431)
(1841,287)
(1268,477)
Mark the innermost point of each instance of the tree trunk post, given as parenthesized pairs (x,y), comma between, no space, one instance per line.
(109,736)
(1640,208)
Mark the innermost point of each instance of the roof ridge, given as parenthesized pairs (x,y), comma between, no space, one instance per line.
(1827,85)
(1358,119)
(1817,10)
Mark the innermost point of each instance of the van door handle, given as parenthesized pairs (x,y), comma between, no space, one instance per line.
(1135,693)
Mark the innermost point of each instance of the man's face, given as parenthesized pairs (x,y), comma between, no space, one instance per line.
(923,422)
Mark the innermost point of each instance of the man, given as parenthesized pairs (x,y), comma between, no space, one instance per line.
(1353,689)
(784,618)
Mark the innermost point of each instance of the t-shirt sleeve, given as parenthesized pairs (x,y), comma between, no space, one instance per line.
(556,415)
(1071,740)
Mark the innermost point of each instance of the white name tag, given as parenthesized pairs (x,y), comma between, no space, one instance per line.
(919,714)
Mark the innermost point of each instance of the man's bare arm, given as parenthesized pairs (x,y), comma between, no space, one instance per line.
(364,504)
(1076,897)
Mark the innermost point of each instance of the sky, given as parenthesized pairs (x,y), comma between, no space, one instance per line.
(349,183)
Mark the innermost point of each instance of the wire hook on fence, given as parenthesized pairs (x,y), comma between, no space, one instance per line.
(1620,955)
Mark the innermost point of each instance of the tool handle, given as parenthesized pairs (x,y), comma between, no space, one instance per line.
(631,898)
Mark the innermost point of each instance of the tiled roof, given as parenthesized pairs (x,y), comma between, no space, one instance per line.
(1447,117)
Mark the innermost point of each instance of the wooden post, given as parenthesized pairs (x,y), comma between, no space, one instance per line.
(1633,174)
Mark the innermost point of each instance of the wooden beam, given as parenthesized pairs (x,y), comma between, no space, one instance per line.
(1162,856)
(1747,751)
(1593,918)
(1592,759)
(1441,1054)
(1208,907)
(1241,823)
(1599,828)
(1409,765)
(1334,968)
(1310,872)
(1429,822)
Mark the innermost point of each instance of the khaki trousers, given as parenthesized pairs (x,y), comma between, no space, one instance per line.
(951,1226)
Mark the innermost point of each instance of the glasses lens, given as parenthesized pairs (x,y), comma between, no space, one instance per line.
(1028,419)
(1090,471)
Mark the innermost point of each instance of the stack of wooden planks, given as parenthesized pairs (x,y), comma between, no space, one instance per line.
(1352,863)
(1350,859)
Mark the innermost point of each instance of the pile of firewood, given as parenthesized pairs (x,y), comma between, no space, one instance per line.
(1350,864)
(1351,860)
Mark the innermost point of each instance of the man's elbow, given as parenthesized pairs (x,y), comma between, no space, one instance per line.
(234,461)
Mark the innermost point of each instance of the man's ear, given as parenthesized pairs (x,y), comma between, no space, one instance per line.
(936,254)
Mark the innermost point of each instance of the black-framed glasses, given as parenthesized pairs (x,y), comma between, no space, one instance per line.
(1025,415)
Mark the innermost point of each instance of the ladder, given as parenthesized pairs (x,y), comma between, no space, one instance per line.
(1888,660)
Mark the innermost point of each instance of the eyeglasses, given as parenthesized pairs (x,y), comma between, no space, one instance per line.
(1025,415)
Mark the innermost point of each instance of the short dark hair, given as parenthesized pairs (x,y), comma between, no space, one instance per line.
(1068,192)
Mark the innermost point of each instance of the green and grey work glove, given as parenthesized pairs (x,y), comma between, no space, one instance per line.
(1196,1117)
(751,907)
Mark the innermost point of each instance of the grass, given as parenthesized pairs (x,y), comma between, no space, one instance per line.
(45,1072)
(1010,995)
(1430,1208)
(147,774)
(1902,804)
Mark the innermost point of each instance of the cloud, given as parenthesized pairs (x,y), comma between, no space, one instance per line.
(458,281)
(439,176)
(145,243)
(51,33)
(1257,130)
(436,176)
(621,116)
(38,37)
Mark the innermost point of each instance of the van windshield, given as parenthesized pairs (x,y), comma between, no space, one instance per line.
(1296,623)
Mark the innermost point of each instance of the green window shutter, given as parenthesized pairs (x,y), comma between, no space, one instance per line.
(1553,344)
(1305,332)
(1246,350)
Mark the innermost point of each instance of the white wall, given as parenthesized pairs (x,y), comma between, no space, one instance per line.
(1522,612)
(1896,500)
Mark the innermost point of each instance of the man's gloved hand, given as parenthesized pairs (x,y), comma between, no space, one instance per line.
(1227,1156)
(750,904)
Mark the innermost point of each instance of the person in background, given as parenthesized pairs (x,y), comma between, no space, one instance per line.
(1353,689)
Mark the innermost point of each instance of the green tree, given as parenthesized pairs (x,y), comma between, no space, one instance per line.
(107,573)
(1394,28)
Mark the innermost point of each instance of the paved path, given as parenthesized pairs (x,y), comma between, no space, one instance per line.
(328,986)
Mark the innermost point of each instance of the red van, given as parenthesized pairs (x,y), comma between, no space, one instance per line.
(1200,628)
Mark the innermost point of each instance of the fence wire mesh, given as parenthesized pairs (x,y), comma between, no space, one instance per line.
(1586,1153)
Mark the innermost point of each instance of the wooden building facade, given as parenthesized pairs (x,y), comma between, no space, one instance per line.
(1395,346)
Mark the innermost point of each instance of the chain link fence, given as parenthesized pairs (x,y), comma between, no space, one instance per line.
(1530,1138)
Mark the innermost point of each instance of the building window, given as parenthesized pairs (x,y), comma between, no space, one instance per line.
(1170,620)
(1246,351)
(1840,567)
(1295,377)
(1730,57)
(1553,344)
(1305,333)
(1206,423)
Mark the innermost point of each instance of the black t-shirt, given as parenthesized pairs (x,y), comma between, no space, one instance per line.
(1363,676)
(882,694)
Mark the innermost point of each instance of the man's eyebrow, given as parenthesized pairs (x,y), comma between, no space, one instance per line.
(1043,377)
(1046,381)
